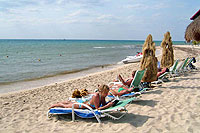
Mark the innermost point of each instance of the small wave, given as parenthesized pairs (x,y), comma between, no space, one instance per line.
(99,47)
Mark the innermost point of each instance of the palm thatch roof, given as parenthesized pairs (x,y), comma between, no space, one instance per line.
(149,61)
(193,30)
(167,59)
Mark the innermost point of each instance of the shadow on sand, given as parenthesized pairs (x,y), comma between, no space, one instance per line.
(153,92)
(133,119)
(150,103)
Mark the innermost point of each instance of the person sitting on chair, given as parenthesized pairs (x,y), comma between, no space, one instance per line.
(128,81)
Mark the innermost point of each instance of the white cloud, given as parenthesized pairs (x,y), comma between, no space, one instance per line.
(140,6)
(107,18)
(156,15)
(137,6)
(104,16)
(70,21)
(160,6)
(76,13)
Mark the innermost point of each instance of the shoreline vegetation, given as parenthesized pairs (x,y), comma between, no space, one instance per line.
(170,107)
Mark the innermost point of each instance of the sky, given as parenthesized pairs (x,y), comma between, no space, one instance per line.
(95,19)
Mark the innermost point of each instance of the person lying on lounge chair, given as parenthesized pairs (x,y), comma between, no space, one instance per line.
(95,102)
(120,90)
(162,70)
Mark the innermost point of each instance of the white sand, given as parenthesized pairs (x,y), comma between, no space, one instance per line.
(171,107)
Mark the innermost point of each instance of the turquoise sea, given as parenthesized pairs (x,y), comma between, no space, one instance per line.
(25,60)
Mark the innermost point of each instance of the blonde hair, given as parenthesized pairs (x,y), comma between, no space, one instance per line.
(103,88)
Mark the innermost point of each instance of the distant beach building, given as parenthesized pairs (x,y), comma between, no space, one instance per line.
(195,15)
(192,32)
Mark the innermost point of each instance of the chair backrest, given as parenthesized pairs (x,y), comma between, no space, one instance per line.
(163,75)
(120,104)
(185,63)
(173,68)
(137,78)
(190,61)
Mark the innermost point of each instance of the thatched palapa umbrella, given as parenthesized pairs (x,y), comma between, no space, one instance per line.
(149,61)
(193,30)
(167,59)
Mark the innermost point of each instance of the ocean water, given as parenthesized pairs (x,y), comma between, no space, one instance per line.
(25,60)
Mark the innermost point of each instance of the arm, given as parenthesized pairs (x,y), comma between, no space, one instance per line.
(127,83)
(121,79)
(103,101)
(95,100)
(106,106)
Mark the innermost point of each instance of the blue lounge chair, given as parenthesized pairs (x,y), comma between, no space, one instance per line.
(90,113)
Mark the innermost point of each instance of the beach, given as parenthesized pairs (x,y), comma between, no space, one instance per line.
(173,106)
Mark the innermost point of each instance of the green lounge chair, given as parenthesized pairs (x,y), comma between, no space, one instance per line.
(161,78)
(183,67)
(136,82)
(173,69)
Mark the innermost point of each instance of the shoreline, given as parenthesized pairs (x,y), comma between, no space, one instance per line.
(50,80)
(59,78)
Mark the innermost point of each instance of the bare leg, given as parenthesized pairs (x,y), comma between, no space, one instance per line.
(65,102)
(63,105)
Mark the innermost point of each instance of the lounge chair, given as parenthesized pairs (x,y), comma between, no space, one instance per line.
(183,66)
(162,78)
(190,66)
(173,69)
(134,95)
(136,82)
(172,73)
(90,113)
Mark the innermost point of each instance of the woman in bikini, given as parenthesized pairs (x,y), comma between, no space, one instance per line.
(128,81)
(97,101)
(120,90)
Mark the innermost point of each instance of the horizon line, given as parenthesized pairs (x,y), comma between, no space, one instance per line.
(79,39)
